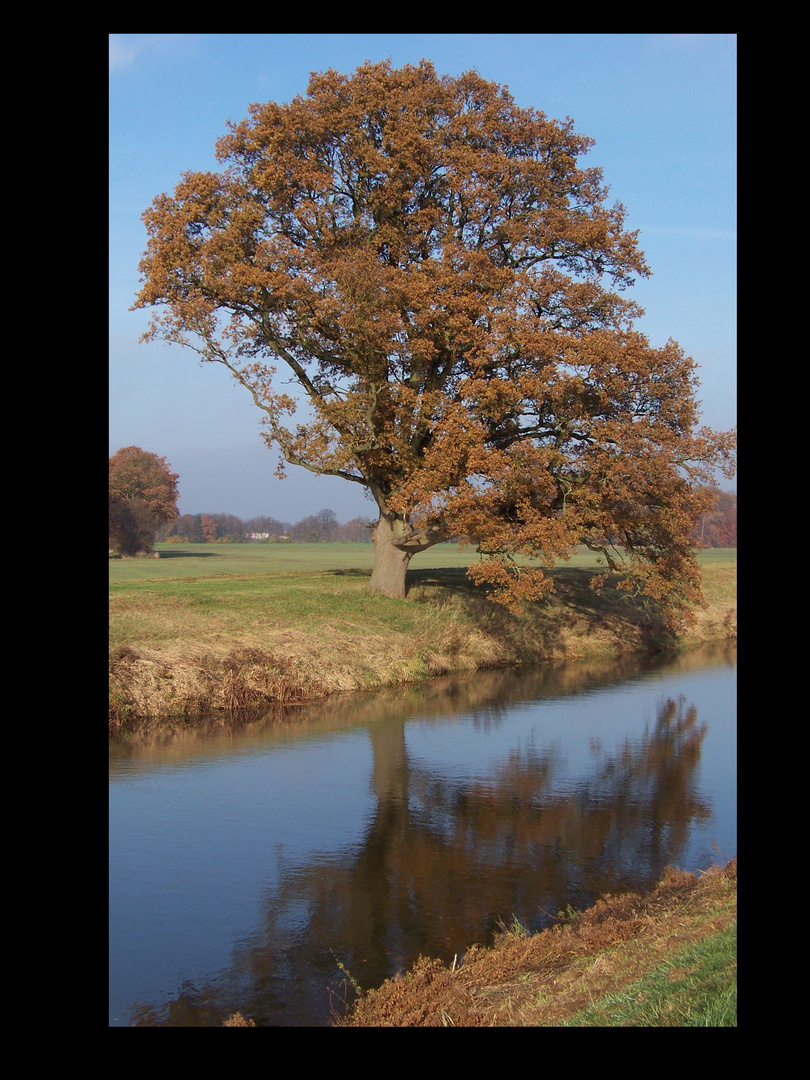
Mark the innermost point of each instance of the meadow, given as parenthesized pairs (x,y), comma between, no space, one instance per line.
(207,560)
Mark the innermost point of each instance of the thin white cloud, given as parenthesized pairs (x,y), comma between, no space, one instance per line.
(122,52)
(124,48)
(689,233)
(685,43)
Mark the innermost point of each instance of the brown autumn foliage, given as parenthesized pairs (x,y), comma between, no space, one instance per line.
(443,281)
(143,495)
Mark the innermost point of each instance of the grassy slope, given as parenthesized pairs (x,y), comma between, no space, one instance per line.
(229,627)
(666,959)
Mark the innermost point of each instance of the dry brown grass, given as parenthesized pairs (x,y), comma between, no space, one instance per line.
(545,979)
(237,1020)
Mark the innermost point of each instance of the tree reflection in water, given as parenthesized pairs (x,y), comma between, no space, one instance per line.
(442,861)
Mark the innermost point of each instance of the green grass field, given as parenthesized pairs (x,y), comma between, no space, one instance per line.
(216,560)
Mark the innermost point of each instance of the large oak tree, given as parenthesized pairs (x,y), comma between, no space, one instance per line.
(441,281)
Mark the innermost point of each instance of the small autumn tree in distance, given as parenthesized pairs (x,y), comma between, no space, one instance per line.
(143,495)
(441,281)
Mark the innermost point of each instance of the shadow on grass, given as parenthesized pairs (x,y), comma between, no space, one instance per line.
(451,576)
(609,611)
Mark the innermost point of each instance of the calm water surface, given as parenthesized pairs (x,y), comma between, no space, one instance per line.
(253,870)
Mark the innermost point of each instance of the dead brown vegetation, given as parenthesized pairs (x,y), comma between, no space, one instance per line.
(545,979)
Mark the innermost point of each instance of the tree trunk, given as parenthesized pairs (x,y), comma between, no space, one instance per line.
(391,557)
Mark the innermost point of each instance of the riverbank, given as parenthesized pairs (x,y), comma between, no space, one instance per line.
(666,959)
(187,648)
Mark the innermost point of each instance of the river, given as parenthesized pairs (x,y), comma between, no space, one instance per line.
(268,868)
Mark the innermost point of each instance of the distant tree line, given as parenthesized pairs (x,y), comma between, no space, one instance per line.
(319,528)
(717,528)
(143,509)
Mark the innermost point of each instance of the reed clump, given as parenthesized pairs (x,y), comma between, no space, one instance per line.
(182,684)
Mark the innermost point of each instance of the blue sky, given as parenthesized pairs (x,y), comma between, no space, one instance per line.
(661,107)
